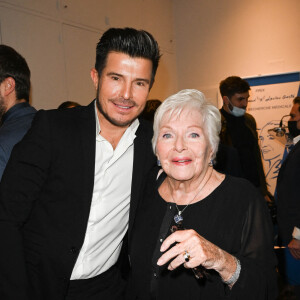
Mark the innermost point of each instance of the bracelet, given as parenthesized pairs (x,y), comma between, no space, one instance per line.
(236,273)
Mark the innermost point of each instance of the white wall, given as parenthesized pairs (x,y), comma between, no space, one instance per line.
(219,38)
(58,39)
(203,41)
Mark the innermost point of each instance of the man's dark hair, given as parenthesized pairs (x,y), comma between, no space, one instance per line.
(232,85)
(12,64)
(297,101)
(135,43)
(68,104)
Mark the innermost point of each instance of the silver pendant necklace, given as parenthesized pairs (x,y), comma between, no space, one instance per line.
(178,217)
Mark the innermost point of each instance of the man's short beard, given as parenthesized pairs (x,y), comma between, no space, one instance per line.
(108,118)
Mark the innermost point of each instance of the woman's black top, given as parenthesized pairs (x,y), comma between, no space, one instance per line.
(234,217)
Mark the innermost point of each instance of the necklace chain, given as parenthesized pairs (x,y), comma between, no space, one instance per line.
(178,217)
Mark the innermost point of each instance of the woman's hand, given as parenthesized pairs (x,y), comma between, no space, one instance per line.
(201,251)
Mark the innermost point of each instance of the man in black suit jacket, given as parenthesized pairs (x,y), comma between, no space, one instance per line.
(65,194)
(288,197)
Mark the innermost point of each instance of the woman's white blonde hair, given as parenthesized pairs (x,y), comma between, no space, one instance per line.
(191,100)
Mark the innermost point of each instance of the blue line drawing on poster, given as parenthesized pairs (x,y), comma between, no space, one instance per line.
(269,150)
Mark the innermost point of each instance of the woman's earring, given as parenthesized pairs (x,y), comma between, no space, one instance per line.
(158,163)
(211,163)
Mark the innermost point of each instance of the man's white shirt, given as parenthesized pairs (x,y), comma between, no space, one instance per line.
(109,212)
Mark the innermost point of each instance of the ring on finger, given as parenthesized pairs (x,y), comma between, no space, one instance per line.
(186,256)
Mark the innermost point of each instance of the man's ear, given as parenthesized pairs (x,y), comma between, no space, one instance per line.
(95,77)
(9,85)
(225,100)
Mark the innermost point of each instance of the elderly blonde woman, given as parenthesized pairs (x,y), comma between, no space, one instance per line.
(198,234)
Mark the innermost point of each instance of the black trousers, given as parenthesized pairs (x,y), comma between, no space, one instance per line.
(108,285)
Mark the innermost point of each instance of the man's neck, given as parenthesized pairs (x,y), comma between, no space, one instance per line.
(13,102)
(109,131)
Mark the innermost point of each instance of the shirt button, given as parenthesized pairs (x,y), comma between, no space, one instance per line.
(170,207)
(154,274)
(161,240)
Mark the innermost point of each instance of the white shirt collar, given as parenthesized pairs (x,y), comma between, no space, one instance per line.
(296,139)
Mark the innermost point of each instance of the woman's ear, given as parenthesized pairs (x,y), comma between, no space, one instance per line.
(211,161)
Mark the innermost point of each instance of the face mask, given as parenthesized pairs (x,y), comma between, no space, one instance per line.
(236,111)
(293,130)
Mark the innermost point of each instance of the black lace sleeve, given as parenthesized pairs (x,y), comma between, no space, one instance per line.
(258,276)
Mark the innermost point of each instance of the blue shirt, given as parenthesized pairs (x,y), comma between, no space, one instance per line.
(15,123)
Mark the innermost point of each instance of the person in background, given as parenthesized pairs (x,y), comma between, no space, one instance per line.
(16,113)
(198,234)
(68,104)
(239,130)
(227,161)
(150,109)
(72,181)
(288,201)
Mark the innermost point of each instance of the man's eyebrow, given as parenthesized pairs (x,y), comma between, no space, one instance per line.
(242,98)
(136,79)
(114,73)
(143,79)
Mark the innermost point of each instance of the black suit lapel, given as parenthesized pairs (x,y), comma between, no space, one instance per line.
(86,127)
(143,161)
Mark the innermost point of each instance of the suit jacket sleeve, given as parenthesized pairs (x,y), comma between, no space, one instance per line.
(258,278)
(20,186)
